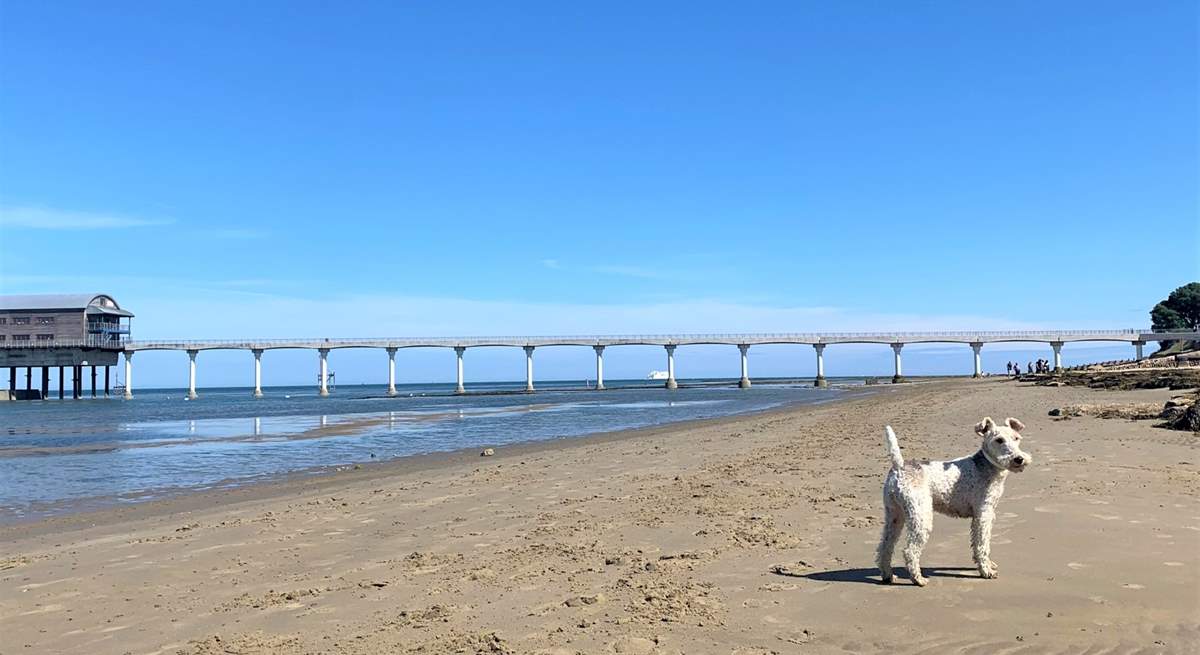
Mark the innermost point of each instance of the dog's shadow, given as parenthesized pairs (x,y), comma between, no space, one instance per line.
(871,576)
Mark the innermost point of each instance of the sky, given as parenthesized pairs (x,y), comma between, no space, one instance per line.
(438,169)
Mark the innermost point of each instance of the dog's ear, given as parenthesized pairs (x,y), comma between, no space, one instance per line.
(1014,424)
(985,426)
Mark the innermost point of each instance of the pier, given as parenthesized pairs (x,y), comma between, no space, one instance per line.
(670,343)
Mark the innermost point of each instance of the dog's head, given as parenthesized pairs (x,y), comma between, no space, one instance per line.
(1002,443)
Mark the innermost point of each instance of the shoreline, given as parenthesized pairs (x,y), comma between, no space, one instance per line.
(752,533)
(185,500)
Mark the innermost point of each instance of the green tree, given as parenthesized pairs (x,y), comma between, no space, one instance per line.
(1180,311)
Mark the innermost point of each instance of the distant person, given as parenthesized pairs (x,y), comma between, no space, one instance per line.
(1029,367)
(1010,368)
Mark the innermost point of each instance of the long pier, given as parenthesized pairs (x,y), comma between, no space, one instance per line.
(818,341)
(34,354)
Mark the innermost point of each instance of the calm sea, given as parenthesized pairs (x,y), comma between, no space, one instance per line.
(65,456)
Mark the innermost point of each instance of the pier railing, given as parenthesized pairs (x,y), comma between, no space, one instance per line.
(96,342)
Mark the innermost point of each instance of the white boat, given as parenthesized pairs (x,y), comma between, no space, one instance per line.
(657,375)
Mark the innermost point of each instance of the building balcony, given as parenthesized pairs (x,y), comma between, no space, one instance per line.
(107,328)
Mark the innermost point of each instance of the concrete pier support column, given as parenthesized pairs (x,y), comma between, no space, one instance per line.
(671,384)
(128,376)
(28,379)
(45,382)
(744,383)
(820,381)
(977,347)
(60,383)
(76,382)
(899,376)
(391,390)
(599,367)
(458,352)
(1057,346)
(529,369)
(12,379)
(93,380)
(107,381)
(323,379)
(1137,349)
(257,372)
(192,374)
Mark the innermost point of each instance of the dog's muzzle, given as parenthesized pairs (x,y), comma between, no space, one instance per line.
(1019,463)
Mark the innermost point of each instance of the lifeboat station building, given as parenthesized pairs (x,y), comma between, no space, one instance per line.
(71,334)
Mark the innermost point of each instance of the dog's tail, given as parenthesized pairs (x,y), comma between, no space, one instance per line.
(894,449)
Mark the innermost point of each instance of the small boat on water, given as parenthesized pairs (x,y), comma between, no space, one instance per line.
(657,375)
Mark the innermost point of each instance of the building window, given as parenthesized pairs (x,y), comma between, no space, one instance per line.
(20,337)
(20,320)
(3,338)
(3,320)
(45,337)
(45,320)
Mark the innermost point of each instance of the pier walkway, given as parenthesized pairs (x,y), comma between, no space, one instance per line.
(670,342)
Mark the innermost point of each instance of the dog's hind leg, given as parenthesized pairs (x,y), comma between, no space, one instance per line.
(893,522)
(919,514)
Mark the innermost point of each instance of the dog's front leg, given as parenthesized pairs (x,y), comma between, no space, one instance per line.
(981,541)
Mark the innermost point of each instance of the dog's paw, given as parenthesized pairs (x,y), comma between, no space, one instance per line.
(887,578)
(988,571)
(920,580)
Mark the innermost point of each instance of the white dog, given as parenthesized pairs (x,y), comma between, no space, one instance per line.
(965,487)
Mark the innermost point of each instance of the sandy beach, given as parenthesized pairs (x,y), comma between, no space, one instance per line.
(747,535)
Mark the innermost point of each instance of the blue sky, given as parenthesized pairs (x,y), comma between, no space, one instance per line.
(300,169)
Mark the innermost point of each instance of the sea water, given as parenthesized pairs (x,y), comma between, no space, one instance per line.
(64,456)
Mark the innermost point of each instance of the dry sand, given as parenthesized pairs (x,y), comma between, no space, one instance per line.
(743,535)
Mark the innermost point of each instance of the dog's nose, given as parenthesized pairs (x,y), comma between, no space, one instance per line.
(1019,461)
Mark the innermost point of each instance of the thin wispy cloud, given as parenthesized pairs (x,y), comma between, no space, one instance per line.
(552,264)
(44,218)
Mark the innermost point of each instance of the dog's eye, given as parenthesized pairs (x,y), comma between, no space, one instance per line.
(999,439)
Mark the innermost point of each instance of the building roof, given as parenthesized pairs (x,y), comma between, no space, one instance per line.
(93,303)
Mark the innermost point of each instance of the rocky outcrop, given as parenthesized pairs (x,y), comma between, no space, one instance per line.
(1175,378)
(1178,413)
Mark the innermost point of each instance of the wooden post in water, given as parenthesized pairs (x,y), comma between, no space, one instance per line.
(60,383)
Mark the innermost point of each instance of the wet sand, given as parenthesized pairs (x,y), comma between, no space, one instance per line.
(749,534)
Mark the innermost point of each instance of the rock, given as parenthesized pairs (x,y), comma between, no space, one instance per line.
(1188,420)
(579,601)
(487,452)
(1057,411)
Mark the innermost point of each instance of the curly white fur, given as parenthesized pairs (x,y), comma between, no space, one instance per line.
(967,487)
